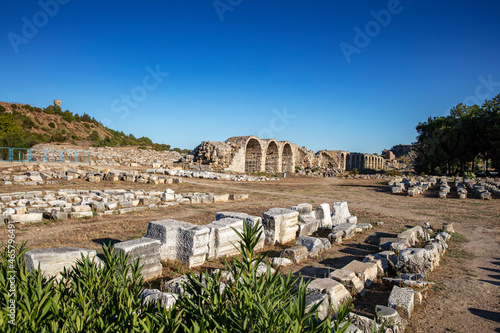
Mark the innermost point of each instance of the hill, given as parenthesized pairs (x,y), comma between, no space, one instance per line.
(23,126)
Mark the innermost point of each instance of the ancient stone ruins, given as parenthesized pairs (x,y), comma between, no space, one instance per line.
(403,261)
(241,154)
(250,154)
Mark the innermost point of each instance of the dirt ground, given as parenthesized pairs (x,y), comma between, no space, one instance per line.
(465,298)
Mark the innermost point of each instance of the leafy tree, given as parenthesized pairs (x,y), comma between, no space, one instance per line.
(68,116)
(453,144)
(85,118)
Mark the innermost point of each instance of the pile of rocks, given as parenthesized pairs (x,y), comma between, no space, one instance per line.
(483,188)
(414,187)
(461,190)
(375,176)
(30,207)
(444,188)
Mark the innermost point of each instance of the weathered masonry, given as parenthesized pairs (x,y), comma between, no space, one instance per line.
(250,154)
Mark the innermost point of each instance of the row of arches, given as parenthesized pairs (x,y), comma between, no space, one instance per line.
(269,158)
(361,161)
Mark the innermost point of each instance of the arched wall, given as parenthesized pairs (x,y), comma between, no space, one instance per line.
(253,156)
(272,158)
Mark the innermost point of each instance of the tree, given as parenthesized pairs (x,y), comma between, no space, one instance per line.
(452,144)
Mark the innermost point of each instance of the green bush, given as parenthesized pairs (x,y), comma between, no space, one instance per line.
(2,109)
(105,298)
(249,302)
(14,106)
(52,125)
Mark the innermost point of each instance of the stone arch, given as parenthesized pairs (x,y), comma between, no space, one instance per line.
(272,157)
(342,161)
(287,158)
(253,156)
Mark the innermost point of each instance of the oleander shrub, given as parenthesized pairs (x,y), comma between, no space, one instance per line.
(96,297)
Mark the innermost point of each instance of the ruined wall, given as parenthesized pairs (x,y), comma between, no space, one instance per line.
(249,154)
(360,161)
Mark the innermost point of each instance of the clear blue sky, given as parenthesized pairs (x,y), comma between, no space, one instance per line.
(352,75)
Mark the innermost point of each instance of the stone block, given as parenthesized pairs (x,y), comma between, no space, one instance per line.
(176,285)
(364,324)
(303,209)
(53,261)
(81,215)
(366,271)
(340,213)
(250,220)
(296,254)
(391,318)
(167,300)
(207,198)
(98,206)
(324,307)
(336,237)
(223,240)
(417,260)
(307,223)
(337,293)
(307,228)
(280,225)
(314,245)
(352,219)
(221,198)
(347,229)
(403,301)
(349,280)
(111,205)
(323,214)
(25,218)
(277,262)
(147,251)
(387,243)
(180,241)
(412,235)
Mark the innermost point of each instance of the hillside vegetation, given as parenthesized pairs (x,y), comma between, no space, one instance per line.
(23,126)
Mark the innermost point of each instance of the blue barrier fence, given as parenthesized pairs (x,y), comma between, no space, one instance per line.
(40,155)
